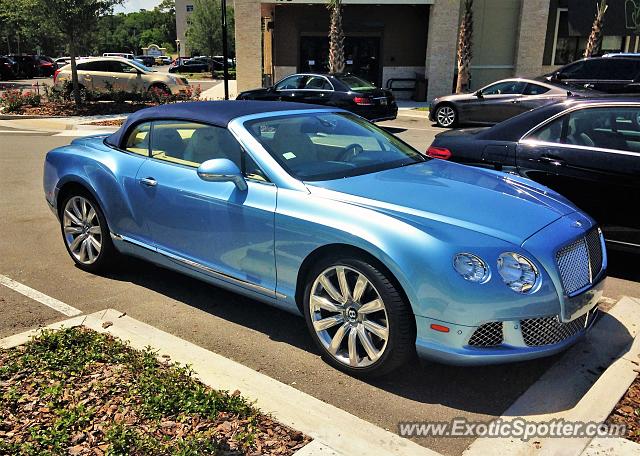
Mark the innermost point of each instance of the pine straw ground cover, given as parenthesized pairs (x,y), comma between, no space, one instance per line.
(627,412)
(79,392)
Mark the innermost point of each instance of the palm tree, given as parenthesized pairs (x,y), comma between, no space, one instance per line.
(595,37)
(336,38)
(465,53)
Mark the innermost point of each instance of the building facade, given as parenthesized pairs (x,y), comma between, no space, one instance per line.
(184,8)
(407,40)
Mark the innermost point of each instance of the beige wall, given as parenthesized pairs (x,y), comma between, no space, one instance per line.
(248,44)
(531,37)
(181,25)
(441,47)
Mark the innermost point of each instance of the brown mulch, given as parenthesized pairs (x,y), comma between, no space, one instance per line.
(108,123)
(627,411)
(116,404)
(89,109)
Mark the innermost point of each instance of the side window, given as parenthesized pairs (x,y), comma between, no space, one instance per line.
(535,89)
(190,144)
(551,132)
(290,83)
(605,128)
(505,88)
(574,71)
(317,83)
(138,140)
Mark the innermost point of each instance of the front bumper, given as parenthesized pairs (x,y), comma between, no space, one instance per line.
(454,346)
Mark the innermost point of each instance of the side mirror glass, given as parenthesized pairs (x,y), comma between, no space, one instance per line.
(478,93)
(222,170)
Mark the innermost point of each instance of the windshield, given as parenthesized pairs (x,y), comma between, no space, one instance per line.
(326,146)
(356,84)
(140,65)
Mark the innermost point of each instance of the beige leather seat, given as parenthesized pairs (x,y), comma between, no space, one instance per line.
(290,139)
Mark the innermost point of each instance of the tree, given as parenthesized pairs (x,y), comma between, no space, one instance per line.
(74,18)
(336,37)
(595,37)
(465,39)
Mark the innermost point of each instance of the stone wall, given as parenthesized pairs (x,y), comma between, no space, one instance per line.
(441,47)
(248,44)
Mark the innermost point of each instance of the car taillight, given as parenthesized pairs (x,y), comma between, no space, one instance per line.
(55,75)
(439,152)
(363,101)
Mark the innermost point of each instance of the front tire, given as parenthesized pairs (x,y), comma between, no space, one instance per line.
(357,317)
(85,232)
(446,116)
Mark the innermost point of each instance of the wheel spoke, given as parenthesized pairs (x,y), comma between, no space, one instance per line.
(371,307)
(72,229)
(318,302)
(90,252)
(76,242)
(76,209)
(353,350)
(95,230)
(90,215)
(326,323)
(375,328)
(84,209)
(330,289)
(75,220)
(361,285)
(336,341)
(344,285)
(366,342)
(83,250)
(97,245)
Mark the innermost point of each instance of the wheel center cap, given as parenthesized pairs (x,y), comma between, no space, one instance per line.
(352,314)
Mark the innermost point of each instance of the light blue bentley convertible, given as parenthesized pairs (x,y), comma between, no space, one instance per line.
(384,251)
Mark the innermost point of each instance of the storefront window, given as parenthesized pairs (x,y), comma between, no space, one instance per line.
(571,48)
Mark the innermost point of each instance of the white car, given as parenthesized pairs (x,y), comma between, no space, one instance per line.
(101,73)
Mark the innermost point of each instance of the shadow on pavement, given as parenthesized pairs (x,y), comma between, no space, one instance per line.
(485,390)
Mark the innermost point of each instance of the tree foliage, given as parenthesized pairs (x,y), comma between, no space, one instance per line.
(204,35)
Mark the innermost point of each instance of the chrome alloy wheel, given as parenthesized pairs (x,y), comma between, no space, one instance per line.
(82,231)
(445,116)
(349,316)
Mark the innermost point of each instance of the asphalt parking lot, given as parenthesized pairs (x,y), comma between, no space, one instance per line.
(261,337)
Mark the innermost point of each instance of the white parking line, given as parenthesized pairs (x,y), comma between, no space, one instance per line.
(40,297)
(22,132)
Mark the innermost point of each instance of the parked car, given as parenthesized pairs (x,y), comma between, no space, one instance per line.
(30,66)
(614,74)
(587,150)
(344,91)
(496,102)
(320,212)
(147,60)
(124,55)
(8,68)
(98,74)
(163,60)
(189,66)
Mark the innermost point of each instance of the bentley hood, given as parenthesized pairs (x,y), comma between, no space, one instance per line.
(496,204)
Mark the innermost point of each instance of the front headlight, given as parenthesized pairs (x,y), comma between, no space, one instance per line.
(518,272)
(471,267)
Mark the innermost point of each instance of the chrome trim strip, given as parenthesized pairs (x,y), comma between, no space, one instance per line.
(201,267)
(587,105)
(631,244)
(533,142)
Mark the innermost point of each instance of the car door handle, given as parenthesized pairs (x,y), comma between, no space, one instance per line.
(555,161)
(149,181)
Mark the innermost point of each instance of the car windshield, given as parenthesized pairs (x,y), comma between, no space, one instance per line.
(356,84)
(141,66)
(325,145)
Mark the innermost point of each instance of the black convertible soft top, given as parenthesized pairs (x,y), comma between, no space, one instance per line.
(218,113)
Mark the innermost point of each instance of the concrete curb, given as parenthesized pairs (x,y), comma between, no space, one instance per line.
(335,432)
(573,388)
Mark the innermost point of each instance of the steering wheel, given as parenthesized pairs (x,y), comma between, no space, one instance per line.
(350,152)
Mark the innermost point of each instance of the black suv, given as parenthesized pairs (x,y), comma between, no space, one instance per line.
(615,74)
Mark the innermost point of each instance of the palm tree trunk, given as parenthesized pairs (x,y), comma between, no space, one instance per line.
(465,53)
(336,38)
(595,37)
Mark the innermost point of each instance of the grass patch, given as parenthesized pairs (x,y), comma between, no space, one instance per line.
(76,391)
(421,109)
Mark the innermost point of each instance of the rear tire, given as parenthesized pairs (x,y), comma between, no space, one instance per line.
(446,116)
(85,232)
(369,333)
